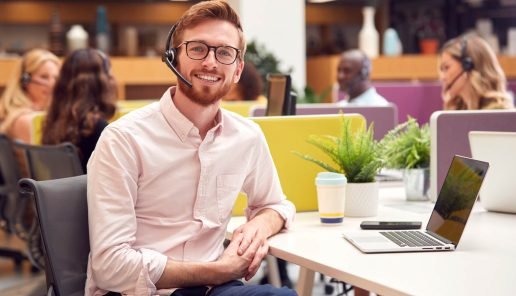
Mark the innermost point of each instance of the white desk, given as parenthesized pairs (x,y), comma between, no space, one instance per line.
(483,264)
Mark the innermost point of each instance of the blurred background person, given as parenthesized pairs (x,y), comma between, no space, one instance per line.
(471,76)
(30,89)
(354,87)
(84,99)
(249,87)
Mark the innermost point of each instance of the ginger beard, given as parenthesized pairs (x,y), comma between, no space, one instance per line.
(206,95)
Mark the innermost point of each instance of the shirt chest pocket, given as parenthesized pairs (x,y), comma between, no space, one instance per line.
(228,188)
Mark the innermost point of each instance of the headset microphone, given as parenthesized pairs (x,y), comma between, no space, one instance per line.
(26,79)
(169,57)
(466,61)
(449,86)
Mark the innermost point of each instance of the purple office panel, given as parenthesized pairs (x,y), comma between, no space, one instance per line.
(417,99)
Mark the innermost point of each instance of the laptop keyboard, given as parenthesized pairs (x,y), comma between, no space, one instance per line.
(410,238)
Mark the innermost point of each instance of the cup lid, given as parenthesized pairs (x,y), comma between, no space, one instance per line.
(330,178)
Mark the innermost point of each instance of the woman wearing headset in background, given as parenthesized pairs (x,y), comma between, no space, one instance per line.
(471,76)
(84,99)
(29,90)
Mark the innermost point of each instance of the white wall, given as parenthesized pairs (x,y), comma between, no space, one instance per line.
(279,25)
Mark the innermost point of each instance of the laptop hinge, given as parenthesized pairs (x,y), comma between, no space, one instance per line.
(437,236)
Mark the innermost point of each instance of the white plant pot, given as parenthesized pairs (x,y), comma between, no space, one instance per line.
(361,199)
(417,183)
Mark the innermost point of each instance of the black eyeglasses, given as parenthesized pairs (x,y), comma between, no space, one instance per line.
(197,50)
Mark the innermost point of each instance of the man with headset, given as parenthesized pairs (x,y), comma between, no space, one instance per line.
(353,81)
(165,178)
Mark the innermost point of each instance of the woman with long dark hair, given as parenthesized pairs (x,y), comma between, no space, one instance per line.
(83,101)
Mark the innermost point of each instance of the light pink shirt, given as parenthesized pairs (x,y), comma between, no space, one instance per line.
(156,190)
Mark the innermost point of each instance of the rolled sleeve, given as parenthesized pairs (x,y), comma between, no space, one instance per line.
(263,186)
(285,209)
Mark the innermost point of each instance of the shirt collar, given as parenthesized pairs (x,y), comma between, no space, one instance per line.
(219,122)
(179,123)
(369,92)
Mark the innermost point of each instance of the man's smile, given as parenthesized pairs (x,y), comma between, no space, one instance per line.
(207,77)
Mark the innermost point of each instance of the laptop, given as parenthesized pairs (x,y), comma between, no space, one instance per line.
(447,222)
(499,190)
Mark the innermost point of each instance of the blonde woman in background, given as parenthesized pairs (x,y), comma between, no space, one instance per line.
(29,90)
(471,76)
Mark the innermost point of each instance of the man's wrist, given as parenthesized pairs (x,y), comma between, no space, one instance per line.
(219,271)
(273,220)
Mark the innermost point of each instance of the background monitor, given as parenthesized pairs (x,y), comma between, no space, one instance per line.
(280,101)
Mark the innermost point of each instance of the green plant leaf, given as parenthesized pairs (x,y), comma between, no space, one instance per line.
(406,146)
(318,162)
(355,154)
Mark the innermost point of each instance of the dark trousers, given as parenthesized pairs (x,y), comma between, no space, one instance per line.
(232,288)
(236,288)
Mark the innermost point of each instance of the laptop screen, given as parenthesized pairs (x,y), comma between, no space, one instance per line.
(457,198)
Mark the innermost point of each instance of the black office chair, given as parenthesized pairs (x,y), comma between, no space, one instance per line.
(9,176)
(62,212)
(41,162)
(47,162)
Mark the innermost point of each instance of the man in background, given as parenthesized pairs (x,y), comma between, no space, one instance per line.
(354,85)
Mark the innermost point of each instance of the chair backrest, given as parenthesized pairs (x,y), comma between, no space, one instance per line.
(45,162)
(449,136)
(62,210)
(126,106)
(9,176)
(385,118)
(241,107)
(41,163)
(285,134)
(36,127)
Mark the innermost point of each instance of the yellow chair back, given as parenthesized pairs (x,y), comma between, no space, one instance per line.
(126,106)
(123,107)
(37,128)
(133,104)
(286,134)
(241,107)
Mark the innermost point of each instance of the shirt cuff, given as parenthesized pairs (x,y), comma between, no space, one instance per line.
(285,209)
(153,266)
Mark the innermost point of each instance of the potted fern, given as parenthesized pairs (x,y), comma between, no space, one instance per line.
(407,147)
(355,155)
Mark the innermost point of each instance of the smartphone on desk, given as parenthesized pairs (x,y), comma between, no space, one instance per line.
(390,225)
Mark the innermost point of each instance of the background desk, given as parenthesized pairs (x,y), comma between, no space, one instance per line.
(483,264)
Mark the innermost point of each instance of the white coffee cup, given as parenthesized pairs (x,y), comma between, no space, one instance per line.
(331,196)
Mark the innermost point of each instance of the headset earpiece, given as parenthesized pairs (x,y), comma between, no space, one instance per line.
(170,52)
(25,79)
(366,68)
(106,65)
(169,57)
(364,73)
(465,60)
(467,64)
